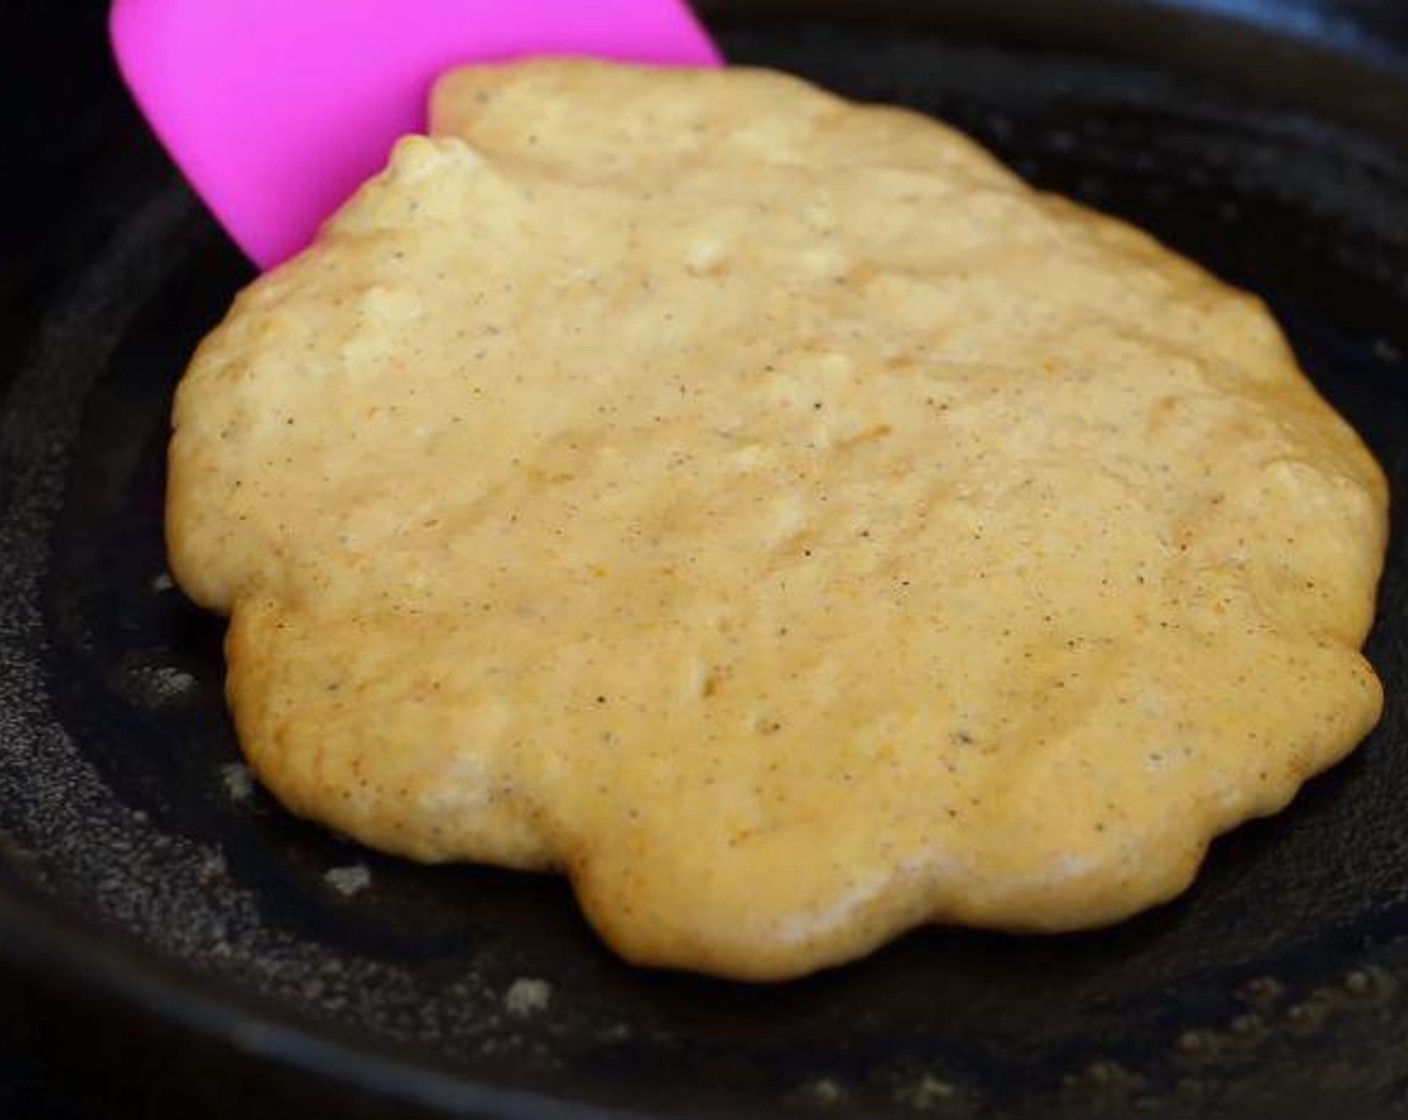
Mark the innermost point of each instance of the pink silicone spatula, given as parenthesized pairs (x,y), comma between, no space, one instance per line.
(277,109)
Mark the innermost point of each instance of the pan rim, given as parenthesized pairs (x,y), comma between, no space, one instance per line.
(49,936)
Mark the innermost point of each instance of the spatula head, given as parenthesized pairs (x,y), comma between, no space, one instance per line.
(277,109)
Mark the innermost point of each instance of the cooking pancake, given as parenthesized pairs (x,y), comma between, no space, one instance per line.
(773,514)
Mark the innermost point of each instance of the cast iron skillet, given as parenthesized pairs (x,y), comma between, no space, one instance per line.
(177,934)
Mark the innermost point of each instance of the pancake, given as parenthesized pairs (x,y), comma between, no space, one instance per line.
(774,515)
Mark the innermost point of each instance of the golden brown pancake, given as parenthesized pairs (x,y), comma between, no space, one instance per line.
(770,512)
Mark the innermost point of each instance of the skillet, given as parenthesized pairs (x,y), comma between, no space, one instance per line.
(170,941)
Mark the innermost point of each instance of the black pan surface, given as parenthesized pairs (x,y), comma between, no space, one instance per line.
(168,928)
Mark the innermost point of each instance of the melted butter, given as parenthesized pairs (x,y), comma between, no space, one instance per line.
(774,515)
